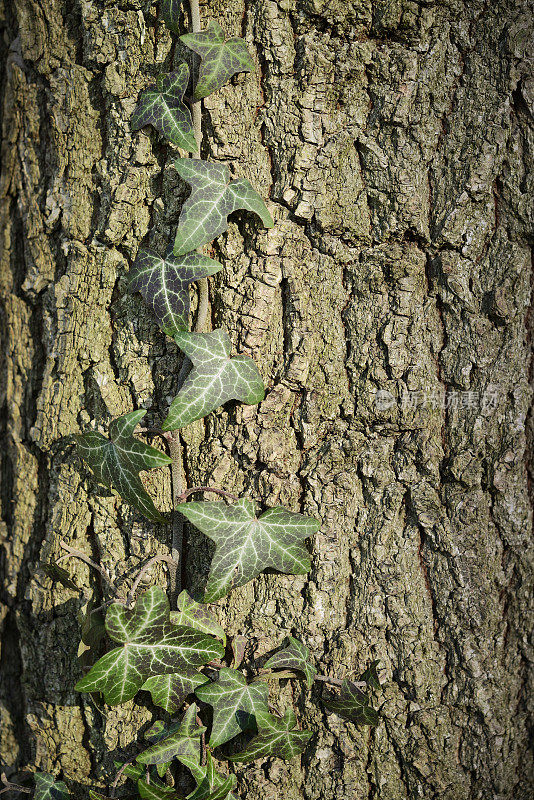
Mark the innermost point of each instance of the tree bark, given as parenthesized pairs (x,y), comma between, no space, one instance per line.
(394,141)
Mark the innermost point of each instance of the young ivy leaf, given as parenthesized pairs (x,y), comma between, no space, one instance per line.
(220,59)
(239,645)
(184,742)
(155,791)
(161,106)
(215,379)
(164,284)
(117,461)
(370,676)
(247,545)
(195,615)
(352,704)
(235,704)
(58,574)
(150,645)
(47,788)
(276,737)
(212,199)
(170,691)
(211,785)
(295,655)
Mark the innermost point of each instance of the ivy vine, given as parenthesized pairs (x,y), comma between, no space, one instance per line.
(180,654)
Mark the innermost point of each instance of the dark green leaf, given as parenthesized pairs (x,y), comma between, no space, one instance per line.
(170,691)
(235,704)
(239,644)
(184,742)
(161,106)
(47,788)
(276,737)
(352,704)
(211,785)
(164,284)
(171,12)
(58,574)
(247,545)
(215,379)
(370,676)
(205,212)
(195,615)
(220,59)
(117,461)
(93,631)
(295,655)
(156,791)
(150,646)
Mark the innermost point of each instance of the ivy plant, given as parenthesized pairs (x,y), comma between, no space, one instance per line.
(179,656)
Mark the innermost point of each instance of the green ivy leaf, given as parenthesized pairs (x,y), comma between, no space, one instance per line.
(235,704)
(93,631)
(150,646)
(184,742)
(161,106)
(170,11)
(220,59)
(215,379)
(117,461)
(276,737)
(164,284)
(247,545)
(47,788)
(353,705)
(170,691)
(195,615)
(211,785)
(155,791)
(212,199)
(295,655)
(239,645)
(370,676)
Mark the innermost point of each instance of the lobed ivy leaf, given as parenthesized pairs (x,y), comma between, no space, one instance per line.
(370,676)
(235,704)
(212,199)
(195,615)
(155,791)
(183,742)
(295,655)
(150,645)
(220,59)
(247,545)
(170,11)
(170,691)
(117,461)
(47,788)
(211,785)
(214,379)
(164,284)
(276,737)
(353,705)
(161,106)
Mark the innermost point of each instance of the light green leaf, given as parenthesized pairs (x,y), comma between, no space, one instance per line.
(164,284)
(47,788)
(220,59)
(215,379)
(117,461)
(182,743)
(235,704)
(295,655)
(353,705)
(276,737)
(212,199)
(155,791)
(247,545)
(195,615)
(170,691)
(150,646)
(161,106)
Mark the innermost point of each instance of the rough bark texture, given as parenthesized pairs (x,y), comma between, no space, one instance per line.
(394,140)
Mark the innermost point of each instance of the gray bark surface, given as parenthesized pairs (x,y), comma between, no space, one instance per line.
(394,141)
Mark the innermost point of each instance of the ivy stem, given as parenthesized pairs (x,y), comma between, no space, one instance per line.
(131,594)
(119,773)
(194,489)
(78,554)
(12,787)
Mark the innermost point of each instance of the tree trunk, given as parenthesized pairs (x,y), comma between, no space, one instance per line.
(387,311)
